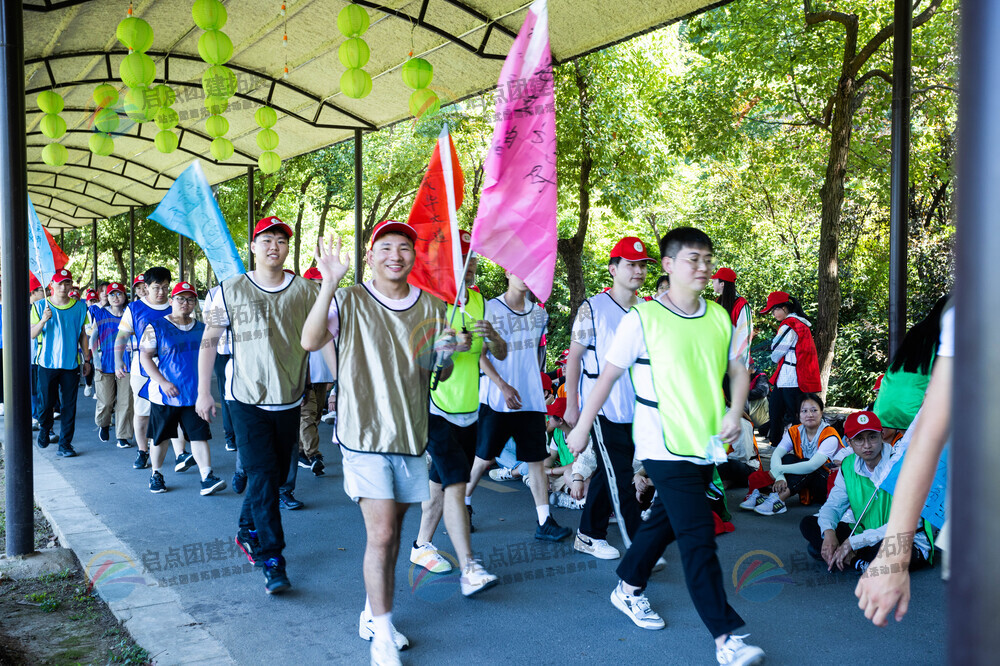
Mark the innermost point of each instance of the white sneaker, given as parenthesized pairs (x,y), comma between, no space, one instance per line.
(329,417)
(735,652)
(599,548)
(384,653)
(646,514)
(429,558)
(1,409)
(660,565)
(565,501)
(476,579)
(35,425)
(88,391)
(752,500)
(771,506)
(502,474)
(366,629)
(636,606)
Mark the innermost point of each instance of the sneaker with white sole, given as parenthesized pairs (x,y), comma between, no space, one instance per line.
(429,558)
(565,501)
(636,606)
(660,565)
(502,474)
(366,629)
(734,652)
(88,391)
(753,500)
(771,506)
(384,653)
(599,548)
(476,579)
(184,462)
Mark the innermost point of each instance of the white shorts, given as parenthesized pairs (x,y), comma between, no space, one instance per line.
(385,476)
(140,406)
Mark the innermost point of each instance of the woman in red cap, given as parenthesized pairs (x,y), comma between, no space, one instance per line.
(724,285)
(794,351)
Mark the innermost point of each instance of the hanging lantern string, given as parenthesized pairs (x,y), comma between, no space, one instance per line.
(284,38)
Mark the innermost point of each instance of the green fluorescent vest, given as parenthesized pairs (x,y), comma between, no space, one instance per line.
(460,394)
(269,363)
(688,357)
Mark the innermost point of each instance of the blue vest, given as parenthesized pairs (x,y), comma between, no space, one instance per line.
(177,353)
(59,341)
(142,316)
(107,331)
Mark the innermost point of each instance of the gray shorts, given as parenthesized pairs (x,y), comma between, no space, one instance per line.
(385,476)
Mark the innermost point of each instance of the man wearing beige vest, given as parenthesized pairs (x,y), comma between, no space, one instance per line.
(389,337)
(264,312)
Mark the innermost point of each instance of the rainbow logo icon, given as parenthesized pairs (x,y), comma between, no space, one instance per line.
(433,587)
(760,576)
(113,574)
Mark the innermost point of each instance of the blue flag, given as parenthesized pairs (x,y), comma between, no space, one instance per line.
(933,510)
(40,260)
(190,209)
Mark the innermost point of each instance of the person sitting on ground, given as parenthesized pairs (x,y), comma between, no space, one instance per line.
(559,467)
(800,463)
(837,542)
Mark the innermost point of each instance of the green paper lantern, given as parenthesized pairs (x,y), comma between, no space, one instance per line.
(55,154)
(424,102)
(137,105)
(105,95)
(265,117)
(354,53)
(209,14)
(101,144)
(216,105)
(137,70)
(166,118)
(219,81)
(269,162)
(267,139)
(352,21)
(216,126)
(417,73)
(49,102)
(52,126)
(164,95)
(106,120)
(222,149)
(355,83)
(166,141)
(135,33)
(215,47)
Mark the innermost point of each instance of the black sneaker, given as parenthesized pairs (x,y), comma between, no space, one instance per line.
(239,482)
(318,468)
(124,444)
(212,484)
(230,445)
(250,545)
(304,461)
(551,531)
(43,439)
(141,460)
(185,461)
(287,501)
(104,433)
(156,484)
(275,580)
(472,528)
(53,438)
(66,451)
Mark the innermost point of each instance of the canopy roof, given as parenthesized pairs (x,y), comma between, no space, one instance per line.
(71,47)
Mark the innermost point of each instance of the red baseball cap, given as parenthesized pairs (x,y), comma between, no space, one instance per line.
(268,222)
(91,295)
(141,277)
(557,408)
(313,274)
(62,275)
(859,422)
(465,240)
(74,294)
(33,283)
(392,226)
(114,286)
(725,274)
(546,382)
(182,287)
(774,299)
(630,248)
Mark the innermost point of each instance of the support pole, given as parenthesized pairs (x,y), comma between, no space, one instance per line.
(93,243)
(18,468)
(131,248)
(974,587)
(180,258)
(250,220)
(899,197)
(359,269)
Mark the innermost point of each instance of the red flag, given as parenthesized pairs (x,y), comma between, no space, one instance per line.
(59,258)
(437,266)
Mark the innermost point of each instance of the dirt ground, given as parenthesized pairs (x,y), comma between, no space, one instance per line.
(54,619)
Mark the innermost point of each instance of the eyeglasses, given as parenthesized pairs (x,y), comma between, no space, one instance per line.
(707,261)
(185,299)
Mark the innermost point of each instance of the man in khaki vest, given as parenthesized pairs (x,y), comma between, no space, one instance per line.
(264,312)
(390,335)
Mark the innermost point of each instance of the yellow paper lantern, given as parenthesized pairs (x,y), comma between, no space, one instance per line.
(166,118)
(106,120)
(216,126)
(354,53)
(352,21)
(215,47)
(417,73)
(209,14)
(265,116)
(50,102)
(52,126)
(355,83)
(216,105)
(219,81)
(137,70)
(101,144)
(222,149)
(55,154)
(424,102)
(135,34)
(267,139)
(166,141)
(269,162)
(105,95)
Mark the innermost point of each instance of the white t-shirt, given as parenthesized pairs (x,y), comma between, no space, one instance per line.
(126,323)
(216,315)
(629,346)
(946,343)
(523,332)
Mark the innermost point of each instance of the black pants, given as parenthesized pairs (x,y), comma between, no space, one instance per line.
(220,381)
(597,510)
(59,386)
(783,410)
(682,513)
(814,481)
(265,441)
(810,530)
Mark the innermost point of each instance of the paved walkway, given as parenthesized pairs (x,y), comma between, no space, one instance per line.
(168,567)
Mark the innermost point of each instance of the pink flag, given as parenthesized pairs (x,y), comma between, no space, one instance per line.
(516,222)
